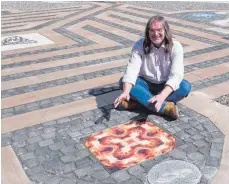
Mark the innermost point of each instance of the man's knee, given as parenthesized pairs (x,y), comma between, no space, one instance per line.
(185,87)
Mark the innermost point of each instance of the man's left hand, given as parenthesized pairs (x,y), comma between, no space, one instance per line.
(159,99)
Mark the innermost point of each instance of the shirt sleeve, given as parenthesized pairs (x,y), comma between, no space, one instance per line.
(134,64)
(177,68)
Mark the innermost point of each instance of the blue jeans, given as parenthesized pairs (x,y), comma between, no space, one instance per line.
(143,90)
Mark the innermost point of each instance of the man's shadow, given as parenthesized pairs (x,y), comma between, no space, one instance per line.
(142,111)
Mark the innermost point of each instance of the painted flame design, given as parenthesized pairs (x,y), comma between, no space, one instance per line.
(129,144)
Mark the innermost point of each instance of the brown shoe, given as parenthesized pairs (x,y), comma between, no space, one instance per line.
(171,110)
(127,105)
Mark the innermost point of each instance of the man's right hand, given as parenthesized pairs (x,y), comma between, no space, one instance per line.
(123,96)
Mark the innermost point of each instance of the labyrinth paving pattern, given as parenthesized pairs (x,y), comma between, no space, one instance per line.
(60,73)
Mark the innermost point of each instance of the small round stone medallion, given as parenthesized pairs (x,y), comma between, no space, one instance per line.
(174,172)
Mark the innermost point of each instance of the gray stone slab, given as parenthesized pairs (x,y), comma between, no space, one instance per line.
(31,163)
(5,142)
(201,143)
(213,162)
(35,133)
(196,156)
(100,174)
(182,135)
(209,173)
(88,124)
(217,134)
(217,146)
(82,154)
(190,148)
(63,120)
(49,129)
(42,151)
(215,154)
(46,142)
(178,154)
(17,137)
(21,151)
(32,147)
(205,150)
(68,149)
(19,144)
(27,156)
(33,140)
(217,140)
(56,146)
(98,127)
(74,134)
(6,135)
(110,180)
(137,171)
(49,135)
(40,178)
(68,168)
(87,131)
(68,181)
(35,171)
(121,176)
(83,171)
(83,162)
(68,158)
(53,166)
(54,180)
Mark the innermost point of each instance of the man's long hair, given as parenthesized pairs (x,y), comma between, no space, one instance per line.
(168,35)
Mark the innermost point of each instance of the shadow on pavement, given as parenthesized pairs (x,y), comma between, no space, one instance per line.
(142,111)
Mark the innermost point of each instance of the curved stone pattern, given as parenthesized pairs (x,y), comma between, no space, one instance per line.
(56,95)
(174,171)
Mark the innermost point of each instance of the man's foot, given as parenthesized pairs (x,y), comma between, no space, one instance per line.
(127,105)
(170,110)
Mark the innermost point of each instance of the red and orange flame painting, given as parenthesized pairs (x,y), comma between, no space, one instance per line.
(129,144)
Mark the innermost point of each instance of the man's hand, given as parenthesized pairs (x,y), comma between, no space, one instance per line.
(159,99)
(123,96)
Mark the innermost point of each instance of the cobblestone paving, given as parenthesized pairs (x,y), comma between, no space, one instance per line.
(224,100)
(52,151)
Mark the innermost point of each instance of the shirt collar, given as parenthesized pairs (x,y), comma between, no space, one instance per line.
(163,46)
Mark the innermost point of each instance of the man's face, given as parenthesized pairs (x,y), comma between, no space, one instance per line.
(156,33)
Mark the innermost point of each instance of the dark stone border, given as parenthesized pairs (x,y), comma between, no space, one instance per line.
(59,82)
(210,81)
(58,57)
(23,20)
(111,36)
(12,26)
(52,22)
(40,51)
(62,68)
(41,11)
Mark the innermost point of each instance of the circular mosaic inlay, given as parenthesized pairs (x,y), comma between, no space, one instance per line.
(174,171)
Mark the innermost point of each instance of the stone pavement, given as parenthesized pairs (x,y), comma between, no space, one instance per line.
(60,66)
